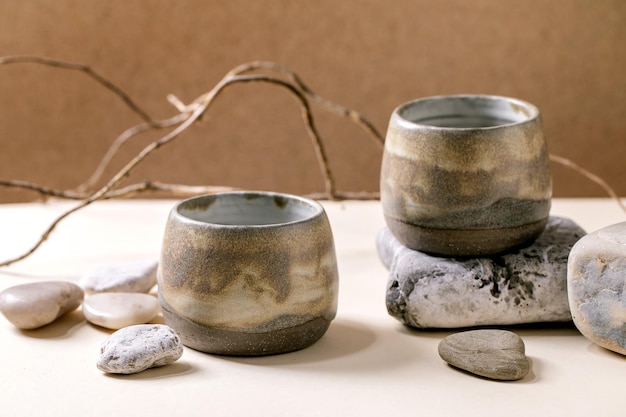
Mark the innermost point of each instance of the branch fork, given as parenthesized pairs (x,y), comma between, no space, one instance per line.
(187,115)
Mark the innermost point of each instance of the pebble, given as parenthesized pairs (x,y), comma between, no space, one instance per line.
(596,279)
(136,348)
(117,309)
(494,354)
(528,285)
(138,276)
(29,306)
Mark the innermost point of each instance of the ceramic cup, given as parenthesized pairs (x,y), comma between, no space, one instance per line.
(248,273)
(465,175)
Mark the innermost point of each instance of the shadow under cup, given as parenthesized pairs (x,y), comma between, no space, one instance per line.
(248,273)
(465,175)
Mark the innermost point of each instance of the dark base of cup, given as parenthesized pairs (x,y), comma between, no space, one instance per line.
(465,243)
(235,343)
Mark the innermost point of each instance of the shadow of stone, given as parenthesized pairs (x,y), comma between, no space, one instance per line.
(61,328)
(343,338)
(171,370)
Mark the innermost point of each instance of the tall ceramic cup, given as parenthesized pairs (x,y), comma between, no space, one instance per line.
(465,175)
(248,273)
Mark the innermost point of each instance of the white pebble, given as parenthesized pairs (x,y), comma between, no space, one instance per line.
(29,306)
(115,310)
(136,348)
(138,276)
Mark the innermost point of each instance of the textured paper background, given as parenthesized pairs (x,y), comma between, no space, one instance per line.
(565,56)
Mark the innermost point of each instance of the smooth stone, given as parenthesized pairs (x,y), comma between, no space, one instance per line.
(117,309)
(494,354)
(138,276)
(29,306)
(596,280)
(528,285)
(136,348)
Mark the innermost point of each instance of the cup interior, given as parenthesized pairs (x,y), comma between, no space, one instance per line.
(249,209)
(467,111)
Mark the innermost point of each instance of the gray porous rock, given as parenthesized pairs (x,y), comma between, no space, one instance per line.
(528,285)
(136,348)
(33,305)
(137,276)
(596,280)
(494,354)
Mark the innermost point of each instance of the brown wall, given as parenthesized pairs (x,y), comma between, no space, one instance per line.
(566,56)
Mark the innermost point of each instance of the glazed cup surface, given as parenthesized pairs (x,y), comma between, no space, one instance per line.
(465,175)
(248,273)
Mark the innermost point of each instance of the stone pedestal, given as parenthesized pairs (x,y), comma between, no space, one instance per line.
(528,285)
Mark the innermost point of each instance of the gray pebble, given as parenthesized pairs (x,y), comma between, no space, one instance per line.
(29,306)
(528,285)
(597,287)
(494,354)
(136,348)
(138,276)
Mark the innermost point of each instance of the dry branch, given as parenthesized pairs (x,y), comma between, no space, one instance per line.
(121,140)
(353,115)
(185,110)
(18,59)
(188,114)
(591,176)
(200,106)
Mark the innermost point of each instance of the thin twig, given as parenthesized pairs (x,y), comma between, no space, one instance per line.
(82,68)
(149,123)
(201,105)
(42,189)
(123,138)
(179,190)
(185,110)
(353,115)
(589,175)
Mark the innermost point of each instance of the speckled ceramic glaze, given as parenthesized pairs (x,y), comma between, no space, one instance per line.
(248,273)
(465,175)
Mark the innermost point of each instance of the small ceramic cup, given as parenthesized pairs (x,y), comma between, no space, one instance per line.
(465,175)
(248,273)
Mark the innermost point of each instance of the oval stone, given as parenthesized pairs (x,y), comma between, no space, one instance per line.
(138,276)
(29,306)
(494,354)
(136,348)
(117,310)
(596,281)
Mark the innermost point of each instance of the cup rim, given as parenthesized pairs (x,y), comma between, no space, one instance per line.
(317,209)
(530,111)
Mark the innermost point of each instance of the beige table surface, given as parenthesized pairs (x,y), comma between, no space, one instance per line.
(367,364)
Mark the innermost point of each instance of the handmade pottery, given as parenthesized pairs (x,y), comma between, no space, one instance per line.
(465,175)
(248,273)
